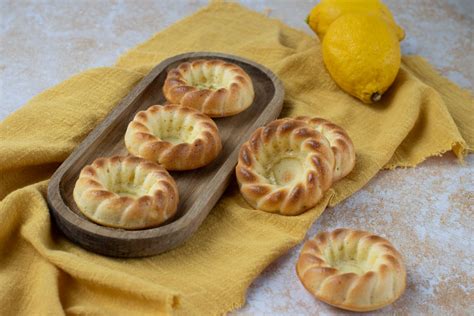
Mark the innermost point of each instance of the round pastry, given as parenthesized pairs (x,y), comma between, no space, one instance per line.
(179,138)
(126,192)
(214,87)
(285,167)
(352,270)
(341,144)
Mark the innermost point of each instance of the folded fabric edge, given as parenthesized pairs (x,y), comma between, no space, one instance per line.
(453,98)
(429,75)
(239,302)
(171,300)
(213,5)
(459,148)
(424,64)
(129,51)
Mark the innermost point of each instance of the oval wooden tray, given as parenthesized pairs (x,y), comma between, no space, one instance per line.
(199,190)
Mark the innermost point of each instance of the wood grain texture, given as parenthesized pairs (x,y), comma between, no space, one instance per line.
(199,190)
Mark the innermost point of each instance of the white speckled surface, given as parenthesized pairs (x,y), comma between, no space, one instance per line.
(427,212)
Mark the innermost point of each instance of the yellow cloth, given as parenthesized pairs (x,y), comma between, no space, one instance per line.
(43,273)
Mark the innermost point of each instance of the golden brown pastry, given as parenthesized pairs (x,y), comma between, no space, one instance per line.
(179,138)
(126,192)
(285,167)
(340,142)
(215,87)
(351,269)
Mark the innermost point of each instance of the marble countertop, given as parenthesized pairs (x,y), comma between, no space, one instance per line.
(427,211)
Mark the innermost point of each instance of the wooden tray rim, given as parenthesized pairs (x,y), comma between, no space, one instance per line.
(54,191)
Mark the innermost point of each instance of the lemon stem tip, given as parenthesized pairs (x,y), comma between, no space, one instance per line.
(376,97)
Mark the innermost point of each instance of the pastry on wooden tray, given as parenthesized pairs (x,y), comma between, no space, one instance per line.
(215,87)
(285,167)
(126,192)
(179,138)
(340,142)
(352,270)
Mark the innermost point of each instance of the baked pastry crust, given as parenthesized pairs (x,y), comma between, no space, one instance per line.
(179,138)
(341,144)
(215,87)
(126,192)
(352,270)
(285,167)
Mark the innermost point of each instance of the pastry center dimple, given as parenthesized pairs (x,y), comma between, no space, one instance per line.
(346,266)
(347,260)
(286,170)
(175,132)
(125,189)
(206,85)
(210,82)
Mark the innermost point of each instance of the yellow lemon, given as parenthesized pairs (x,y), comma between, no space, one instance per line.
(327,11)
(362,54)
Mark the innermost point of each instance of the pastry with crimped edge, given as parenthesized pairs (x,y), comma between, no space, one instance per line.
(341,144)
(215,87)
(177,137)
(126,192)
(351,269)
(285,167)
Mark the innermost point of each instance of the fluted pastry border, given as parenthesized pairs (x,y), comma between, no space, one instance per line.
(141,141)
(234,94)
(341,144)
(298,197)
(343,290)
(142,210)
